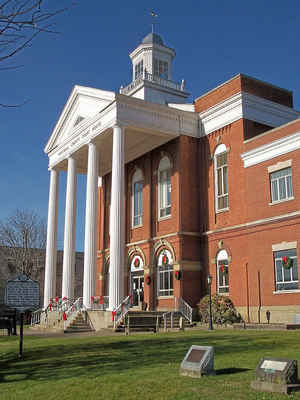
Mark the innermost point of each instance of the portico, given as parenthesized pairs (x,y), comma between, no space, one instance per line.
(124,129)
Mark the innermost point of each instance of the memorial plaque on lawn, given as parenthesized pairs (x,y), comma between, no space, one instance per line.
(276,375)
(22,293)
(198,361)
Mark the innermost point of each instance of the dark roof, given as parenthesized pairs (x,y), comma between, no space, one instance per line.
(153,38)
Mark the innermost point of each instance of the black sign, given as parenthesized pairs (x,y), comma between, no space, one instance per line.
(22,293)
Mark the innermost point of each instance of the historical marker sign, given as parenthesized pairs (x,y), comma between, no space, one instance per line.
(198,361)
(276,375)
(22,293)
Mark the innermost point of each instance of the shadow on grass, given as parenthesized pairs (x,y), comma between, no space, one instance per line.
(64,358)
(228,371)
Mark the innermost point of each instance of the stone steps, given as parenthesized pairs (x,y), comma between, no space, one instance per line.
(79,325)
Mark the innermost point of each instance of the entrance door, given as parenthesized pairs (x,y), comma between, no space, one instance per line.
(137,290)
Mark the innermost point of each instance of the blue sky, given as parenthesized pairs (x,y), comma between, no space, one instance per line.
(213,41)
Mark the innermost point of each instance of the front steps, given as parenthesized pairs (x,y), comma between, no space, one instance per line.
(79,324)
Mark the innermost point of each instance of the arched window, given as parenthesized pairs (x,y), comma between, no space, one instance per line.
(221,178)
(165,273)
(137,198)
(164,187)
(222,272)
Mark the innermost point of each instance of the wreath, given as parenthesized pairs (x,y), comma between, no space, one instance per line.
(177,275)
(287,262)
(148,280)
(223,268)
(136,263)
(165,259)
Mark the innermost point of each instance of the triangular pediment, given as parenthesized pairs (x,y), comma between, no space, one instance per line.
(83,104)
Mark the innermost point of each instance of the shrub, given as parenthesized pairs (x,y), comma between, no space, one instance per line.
(223,310)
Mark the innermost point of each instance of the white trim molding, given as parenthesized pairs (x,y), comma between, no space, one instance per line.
(271,150)
(247,106)
(284,246)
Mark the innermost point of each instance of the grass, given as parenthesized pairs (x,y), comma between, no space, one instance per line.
(139,366)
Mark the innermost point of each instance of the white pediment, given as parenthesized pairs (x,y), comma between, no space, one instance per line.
(84,103)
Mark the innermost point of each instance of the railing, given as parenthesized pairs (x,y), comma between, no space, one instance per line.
(100,303)
(72,311)
(165,316)
(119,313)
(60,304)
(152,78)
(36,317)
(184,308)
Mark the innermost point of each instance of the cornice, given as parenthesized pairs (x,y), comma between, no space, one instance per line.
(271,150)
(247,106)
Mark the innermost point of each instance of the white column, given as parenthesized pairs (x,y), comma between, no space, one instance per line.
(117,221)
(70,232)
(90,244)
(51,245)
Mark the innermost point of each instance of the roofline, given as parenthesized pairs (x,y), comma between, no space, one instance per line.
(244,76)
(271,131)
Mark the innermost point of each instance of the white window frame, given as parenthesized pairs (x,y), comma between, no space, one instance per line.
(160,68)
(222,259)
(165,273)
(164,188)
(275,190)
(220,150)
(138,69)
(288,278)
(137,219)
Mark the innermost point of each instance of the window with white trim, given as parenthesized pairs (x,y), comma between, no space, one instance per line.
(222,272)
(137,198)
(165,274)
(221,178)
(138,69)
(164,187)
(281,185)
(160,68)
(286,270)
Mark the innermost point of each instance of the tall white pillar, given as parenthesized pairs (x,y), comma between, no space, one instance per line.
(117,244)
(70,232)
(90,244)
(51,245)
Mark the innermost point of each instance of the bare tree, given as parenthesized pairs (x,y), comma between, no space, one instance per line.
(20,22)
(23,241)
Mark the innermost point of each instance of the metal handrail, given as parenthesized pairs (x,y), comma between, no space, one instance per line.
(152,78)
(100,303)
(120,312)
(184,308)
(72,311)
(36,316)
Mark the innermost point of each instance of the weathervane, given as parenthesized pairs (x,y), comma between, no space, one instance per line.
(153,15)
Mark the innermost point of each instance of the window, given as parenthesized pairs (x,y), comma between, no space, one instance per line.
(221,178)
(164,187)
(281,185)
(286,270)
(137,198)
(139,67)
(165,274)
(222,272)
(160,68)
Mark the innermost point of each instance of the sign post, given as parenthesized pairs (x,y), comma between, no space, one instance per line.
(22,293)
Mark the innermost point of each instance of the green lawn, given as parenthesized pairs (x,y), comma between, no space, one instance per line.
(139,366)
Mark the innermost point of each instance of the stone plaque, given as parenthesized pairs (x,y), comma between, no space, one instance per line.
(198,361)
(276,375)
(22,293)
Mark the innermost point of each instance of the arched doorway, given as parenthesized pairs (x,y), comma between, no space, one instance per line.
(137,280)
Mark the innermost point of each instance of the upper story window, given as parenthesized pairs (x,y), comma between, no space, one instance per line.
(281,185)
(286,270)
(137,198)
(222,272)
(160,68)
(221,178)
(138,70)
(164,187)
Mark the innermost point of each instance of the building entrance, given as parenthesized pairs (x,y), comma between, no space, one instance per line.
(137,288)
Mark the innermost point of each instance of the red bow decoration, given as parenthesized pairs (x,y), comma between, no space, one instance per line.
(64,316)
(148,280)
(101,300)
(136,263)
(178,275)
(284,259)
(113,314)
(165,259)
(92,299)
(50,306)
(56,299)
(222,268)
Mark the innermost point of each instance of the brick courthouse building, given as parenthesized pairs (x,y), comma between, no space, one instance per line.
(186,190)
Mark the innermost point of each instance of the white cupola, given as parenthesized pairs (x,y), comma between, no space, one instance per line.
(152,73)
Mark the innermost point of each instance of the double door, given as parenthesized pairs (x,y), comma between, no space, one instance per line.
(137,288)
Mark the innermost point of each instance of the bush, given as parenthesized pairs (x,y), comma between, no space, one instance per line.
(223,310)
